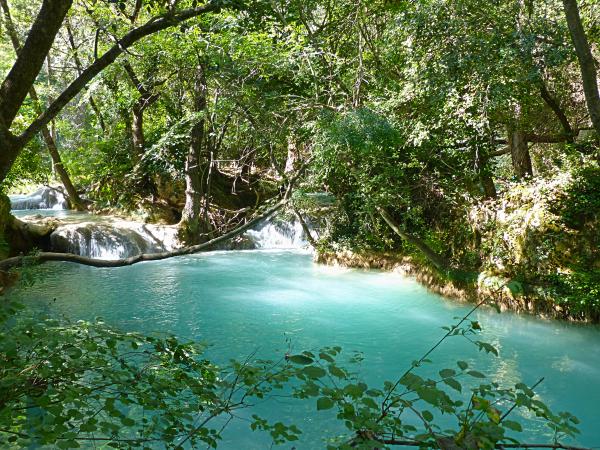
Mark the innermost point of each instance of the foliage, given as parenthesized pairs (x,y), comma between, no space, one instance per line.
(71,384)
(580,204)
(578,290)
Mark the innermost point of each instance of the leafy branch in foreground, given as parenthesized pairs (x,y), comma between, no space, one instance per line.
(408,412)
(69,384)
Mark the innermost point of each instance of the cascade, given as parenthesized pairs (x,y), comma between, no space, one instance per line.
(45,197)
(106,237)
(277,233)
(122,239)
(114,240)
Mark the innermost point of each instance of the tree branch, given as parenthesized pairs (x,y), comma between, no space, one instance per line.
(560,114)
(152,26)
(30,59)
(69,257)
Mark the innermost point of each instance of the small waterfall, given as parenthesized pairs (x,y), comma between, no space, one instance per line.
(45,197)
(278,233)
(112,240)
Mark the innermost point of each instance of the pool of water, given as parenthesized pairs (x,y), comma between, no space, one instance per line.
(242,302)
(64,214)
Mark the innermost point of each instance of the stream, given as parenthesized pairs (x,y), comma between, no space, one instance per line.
(276,301)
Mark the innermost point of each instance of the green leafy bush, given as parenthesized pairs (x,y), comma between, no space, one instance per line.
(581,202)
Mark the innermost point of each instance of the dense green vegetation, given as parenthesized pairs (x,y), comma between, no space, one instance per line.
(462,134)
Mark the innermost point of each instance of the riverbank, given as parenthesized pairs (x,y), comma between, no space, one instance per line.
(508,294)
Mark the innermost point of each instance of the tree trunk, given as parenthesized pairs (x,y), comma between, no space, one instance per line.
(73,197)
(190,225)
(486,180)
(26,68)
(439,262)
(560,114)
(487,183)
(79,66)
(519,152)
(293,156)
(586,60)
(137,132)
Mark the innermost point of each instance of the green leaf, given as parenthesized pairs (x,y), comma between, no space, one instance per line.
(427,416)
(324,403)
(512,425)
(314,372)
(336,371)
(476,374)
(300,359)
(447,373)
(67,444)
(326,357)
(453,384)
(462,364)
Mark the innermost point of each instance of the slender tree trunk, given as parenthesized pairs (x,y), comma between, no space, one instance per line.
(190,225)
(560,114)
(519,152)
(73,197)
(486,180)
(587,64)
(79,66)
(293,156)
(487,183)
(137,132)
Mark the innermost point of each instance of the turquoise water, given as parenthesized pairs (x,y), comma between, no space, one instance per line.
(242,302)
(57,213)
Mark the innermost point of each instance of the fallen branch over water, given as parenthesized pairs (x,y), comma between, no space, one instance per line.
(41,257)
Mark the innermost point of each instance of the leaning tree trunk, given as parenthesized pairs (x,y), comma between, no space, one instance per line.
(191,226)
(519,152)
(438,261)
(73,197)
(586,60)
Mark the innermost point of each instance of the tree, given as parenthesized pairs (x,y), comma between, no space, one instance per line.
(587,63)
(194,218)
(22,75)
(72,195)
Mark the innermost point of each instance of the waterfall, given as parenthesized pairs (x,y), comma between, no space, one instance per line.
(277,233)
(121,239)
(45,197)
(106,237)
